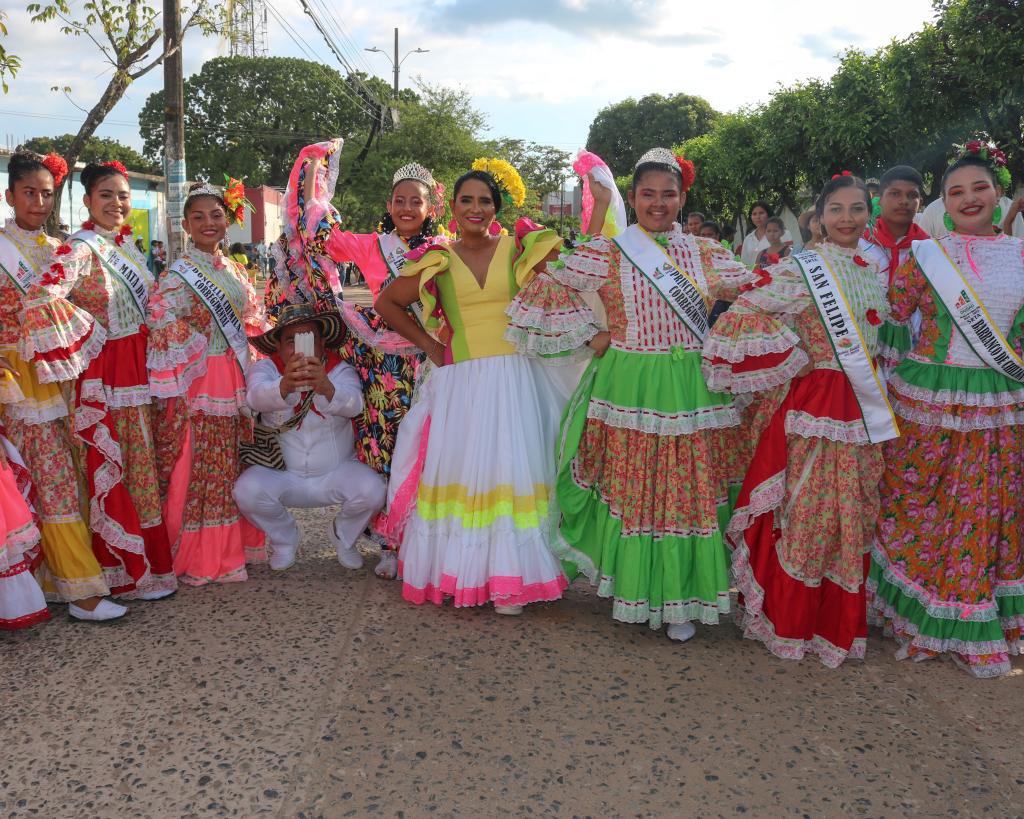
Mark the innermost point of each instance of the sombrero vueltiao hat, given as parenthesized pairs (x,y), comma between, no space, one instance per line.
(332,330)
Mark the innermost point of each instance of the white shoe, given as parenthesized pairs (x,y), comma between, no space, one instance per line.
(509,611)
(348,556)
(388,566)
(106,610)
(155,594)
(681,632)
(282,557)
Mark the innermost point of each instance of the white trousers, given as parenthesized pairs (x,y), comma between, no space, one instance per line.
(263,496)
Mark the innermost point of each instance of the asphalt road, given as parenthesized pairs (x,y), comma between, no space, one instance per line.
(320,692)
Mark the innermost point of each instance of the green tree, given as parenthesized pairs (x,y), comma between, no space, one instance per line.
(128,37)
(620,133)
(9,63)
(438,129)
(250,116)
(96,149)
(543,167)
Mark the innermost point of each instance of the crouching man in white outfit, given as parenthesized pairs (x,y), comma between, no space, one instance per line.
(318,449)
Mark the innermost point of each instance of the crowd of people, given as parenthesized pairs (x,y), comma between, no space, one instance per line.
(833,430)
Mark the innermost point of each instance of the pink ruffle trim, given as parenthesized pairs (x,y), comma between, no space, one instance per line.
(502,591)
(391,526)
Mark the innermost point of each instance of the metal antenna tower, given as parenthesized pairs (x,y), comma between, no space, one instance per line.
(247,28)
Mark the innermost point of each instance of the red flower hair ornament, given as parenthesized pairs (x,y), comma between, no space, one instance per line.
(844,173)
(57,166)
(117,166)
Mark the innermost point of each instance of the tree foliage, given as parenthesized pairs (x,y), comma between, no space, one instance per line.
(127,36)
(903,104)
(250,116)
(622,132)
(9,63)
(97,149)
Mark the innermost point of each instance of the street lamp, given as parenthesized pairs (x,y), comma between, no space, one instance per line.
(396,63)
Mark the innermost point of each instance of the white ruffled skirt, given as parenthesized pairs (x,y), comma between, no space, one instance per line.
(481,455)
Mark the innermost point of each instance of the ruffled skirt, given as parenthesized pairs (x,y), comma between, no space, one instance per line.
(947,574)
(650,461)
(21,600)
(482,524)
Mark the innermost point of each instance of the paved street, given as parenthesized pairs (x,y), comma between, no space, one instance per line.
(319,692)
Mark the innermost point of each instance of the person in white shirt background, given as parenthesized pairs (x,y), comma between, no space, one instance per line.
(756,241)
(318,449)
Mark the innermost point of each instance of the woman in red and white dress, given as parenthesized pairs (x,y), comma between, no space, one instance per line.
(103,272)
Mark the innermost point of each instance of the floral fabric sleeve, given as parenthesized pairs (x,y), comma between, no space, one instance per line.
(179,334)
(724,273)
(908,286)
(60,339)
(754,345)
(549,318)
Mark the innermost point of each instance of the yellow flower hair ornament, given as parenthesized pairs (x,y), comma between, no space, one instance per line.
(509,181)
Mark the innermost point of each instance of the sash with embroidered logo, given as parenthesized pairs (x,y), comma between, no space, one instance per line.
(674,284)
(967,309)
(117,265)
(227,319)
(851,351)
(393,249)
(14,264)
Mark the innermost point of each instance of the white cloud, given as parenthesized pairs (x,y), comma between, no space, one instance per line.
(540,69)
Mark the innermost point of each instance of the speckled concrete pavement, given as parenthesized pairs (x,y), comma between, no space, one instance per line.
(319,692)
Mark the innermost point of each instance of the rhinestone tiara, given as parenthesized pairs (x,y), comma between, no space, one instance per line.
(416,172)
(206,189)
(658,156)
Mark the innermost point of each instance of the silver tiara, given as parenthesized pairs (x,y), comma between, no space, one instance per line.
(206,189)
(658,156)
(416,172)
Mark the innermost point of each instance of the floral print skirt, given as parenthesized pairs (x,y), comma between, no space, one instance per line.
(649,463)
(947,572)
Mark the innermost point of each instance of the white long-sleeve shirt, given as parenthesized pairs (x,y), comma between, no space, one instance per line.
(325,437)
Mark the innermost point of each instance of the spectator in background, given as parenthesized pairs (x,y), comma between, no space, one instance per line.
(710,230)
(774,228)
(755,241)
(693,223)
(157,257)
(810,229)
(237,253)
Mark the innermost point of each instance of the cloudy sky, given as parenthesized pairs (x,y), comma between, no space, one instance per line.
(539,69)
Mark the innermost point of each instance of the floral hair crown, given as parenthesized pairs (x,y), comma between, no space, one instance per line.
(117,166)
(232,196)
(56,165)
(509,181)
(985,149)
(663,156)
(841,174)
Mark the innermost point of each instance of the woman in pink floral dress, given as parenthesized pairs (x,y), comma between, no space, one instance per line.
(200,318)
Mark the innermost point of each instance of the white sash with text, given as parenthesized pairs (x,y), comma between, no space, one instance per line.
(119,266)
(967,309)
(678,287)
(217,302)
(848,342)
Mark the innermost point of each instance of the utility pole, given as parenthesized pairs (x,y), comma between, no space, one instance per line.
(398,64)
(174,128)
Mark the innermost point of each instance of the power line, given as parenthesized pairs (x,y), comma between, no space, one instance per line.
(346,91)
